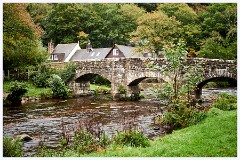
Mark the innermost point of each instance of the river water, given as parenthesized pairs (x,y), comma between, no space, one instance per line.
(45,121)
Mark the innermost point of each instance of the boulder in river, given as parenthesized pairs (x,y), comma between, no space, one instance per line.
(24,137)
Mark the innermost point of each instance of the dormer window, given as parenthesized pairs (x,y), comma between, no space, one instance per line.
(115,52)
(53,57)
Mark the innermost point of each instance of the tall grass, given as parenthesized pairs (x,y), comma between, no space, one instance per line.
(12,148)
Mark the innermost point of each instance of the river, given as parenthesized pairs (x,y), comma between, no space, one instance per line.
(46,120)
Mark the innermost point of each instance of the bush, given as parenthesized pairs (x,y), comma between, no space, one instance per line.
(226,102)
(211,85)
(227,97)
(104,141)
(84,142)
(222,84)
(214,112)
(182,117)
(122,89)
(68,73)
(100,81)
(225,105)
(59,90)
(12,148)
(99,90)
(132,138)
(17,89)
(40,79)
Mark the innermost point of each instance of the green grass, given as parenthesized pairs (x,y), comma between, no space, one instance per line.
(32,90)
(214,137)
(94,87)
(39,92)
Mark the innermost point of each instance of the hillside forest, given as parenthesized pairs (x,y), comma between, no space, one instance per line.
(208,29)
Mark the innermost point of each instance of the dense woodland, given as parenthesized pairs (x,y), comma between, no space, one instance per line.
(209,29)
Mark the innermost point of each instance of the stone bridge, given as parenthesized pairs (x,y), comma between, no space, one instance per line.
(130,72)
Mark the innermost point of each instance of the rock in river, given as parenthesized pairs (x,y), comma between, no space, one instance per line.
(24,137)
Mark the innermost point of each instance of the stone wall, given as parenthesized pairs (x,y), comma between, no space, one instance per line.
(130,72)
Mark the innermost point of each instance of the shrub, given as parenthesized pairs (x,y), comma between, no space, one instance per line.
(84,142)
(227,97)
(100,81)
(40,79)
(12,148)
(68,73)
(226,102)
(99,90)
(182,117)
(122,89)
(132,138)
(211,85)
(59,90)
(17,89)
(225,105)
(104,140)
(222,84)
(214,112)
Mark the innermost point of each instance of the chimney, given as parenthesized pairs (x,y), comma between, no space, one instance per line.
(50,47)
(89,47)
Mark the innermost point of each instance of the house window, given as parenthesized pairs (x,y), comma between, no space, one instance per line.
(55,57)
(115,52)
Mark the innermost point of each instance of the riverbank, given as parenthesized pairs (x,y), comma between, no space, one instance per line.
(216,136)
(34,93)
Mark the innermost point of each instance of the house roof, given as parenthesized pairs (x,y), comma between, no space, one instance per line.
(128,51)
(98,53)
(64,48)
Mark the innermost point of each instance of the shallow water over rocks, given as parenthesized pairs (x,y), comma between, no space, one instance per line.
(46,120)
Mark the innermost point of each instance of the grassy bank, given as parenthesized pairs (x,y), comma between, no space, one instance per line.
(214,137)
(32,90)
(94,87)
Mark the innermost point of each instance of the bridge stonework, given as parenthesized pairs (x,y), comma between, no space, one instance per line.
(130,72)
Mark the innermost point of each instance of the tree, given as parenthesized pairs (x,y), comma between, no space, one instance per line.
(190,29)
(100,23)
(177,90)
(183,78)
(219,25)
(154,31)
(65,22)
(21,45)
(149,7)
(111,24)
(39,12)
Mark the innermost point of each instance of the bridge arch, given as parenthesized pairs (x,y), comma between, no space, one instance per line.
(198,92)
(81,82)
(88,77)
